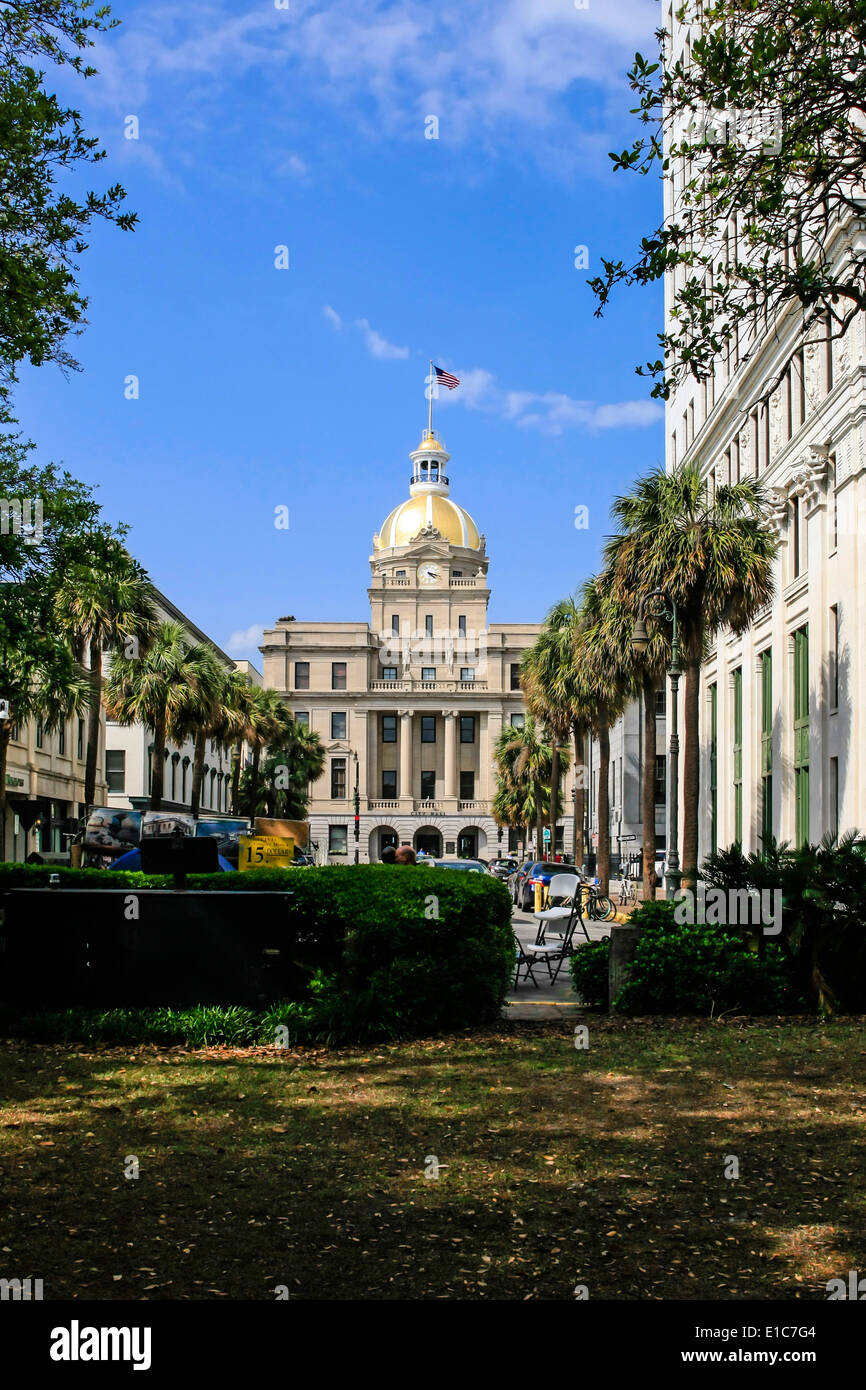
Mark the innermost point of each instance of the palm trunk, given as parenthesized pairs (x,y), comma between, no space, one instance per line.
(648,797)
(158,769)
(554,793)
(691,773)
(254,784)
(95,678)
(198,770)
(539,822)
(604,808)
(236,778)
(579,795)
(5,735)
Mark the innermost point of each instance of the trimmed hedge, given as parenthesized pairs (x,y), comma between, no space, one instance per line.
(385,950)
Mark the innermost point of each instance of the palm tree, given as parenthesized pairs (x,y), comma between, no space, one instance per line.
(203,716)
(525,761)
(102,606)
(712,555)
(555,692)
(642,674)
(286,773)
(47,684)
(154,689)
(270,722)
(238,729)
(602,663)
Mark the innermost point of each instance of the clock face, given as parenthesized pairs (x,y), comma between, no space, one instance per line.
(428,574)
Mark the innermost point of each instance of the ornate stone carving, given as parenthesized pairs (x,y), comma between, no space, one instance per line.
(427,533)
(777,509)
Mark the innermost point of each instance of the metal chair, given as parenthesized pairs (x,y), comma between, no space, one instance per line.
(563,886)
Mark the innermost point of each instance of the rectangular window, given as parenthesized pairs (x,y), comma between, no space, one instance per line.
(518,721)
(338,675)
(399,574)
(389,728)
(834,513)
(302,675)
(61,739)
(834,796)
(735,460)
(428,673)
(795,537)
(801,384)
(338,779)
(467,728)
(40,735)
(738,754)
(338,725)
(467,673)
(428,728)
(766,748)
(467,786)
(389,785)
(395,624)
(79,747)
(515,675)
(302,718)
(428,624)
(115,769)
(15,734)
(661,779)
(834,657)
(788,406)
(338,839)
(389,673)
(801,735)
(461,624)
(428,786)
(828,356)
(661,705)
(714,760)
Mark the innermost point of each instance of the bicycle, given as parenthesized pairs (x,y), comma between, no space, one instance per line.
(627,892)
(596,905)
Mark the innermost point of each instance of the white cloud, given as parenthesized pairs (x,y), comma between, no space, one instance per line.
(377,346)
(240,643)
(493,71)
(551,412)
(294,167)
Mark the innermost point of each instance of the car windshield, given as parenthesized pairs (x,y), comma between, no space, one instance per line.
(554,869)
(471,864)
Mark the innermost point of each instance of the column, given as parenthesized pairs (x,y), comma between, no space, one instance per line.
(406,789)
(450,753)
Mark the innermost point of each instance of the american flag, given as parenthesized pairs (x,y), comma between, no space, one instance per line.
(444,378)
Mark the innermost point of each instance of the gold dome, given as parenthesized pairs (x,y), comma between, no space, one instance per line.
(404,522)
(430,442)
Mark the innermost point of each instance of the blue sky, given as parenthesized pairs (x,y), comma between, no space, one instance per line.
(261,127)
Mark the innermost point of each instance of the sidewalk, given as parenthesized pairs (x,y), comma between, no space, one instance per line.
(548,1001)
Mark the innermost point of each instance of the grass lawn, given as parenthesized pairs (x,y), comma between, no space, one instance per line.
(602,1167)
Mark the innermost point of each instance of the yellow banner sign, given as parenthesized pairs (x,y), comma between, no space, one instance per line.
(265,852)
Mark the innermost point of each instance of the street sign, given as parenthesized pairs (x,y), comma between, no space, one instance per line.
(626,837)
(265,852)
(547,834)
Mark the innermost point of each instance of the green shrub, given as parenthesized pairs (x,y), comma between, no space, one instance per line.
(589,972)
(658,912)
(685,969)
(377,951)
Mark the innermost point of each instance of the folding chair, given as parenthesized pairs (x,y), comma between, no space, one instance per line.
(529,956)
(562,886)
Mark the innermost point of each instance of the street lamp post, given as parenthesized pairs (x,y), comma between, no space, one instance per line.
(357,808)
(658,605)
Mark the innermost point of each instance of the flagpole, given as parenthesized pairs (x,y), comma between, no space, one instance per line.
(430,402)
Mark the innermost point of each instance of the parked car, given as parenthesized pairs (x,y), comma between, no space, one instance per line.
(542,871)
(502,868)
(516,877)
(470,866)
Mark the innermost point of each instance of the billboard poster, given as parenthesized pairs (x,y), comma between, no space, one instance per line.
(157,824)
(110,831)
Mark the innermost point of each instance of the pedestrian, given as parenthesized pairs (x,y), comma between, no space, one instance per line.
(405,855)
(388,854)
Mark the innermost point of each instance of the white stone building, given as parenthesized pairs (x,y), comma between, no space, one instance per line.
(411,703)
(128,751)
(782,707)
